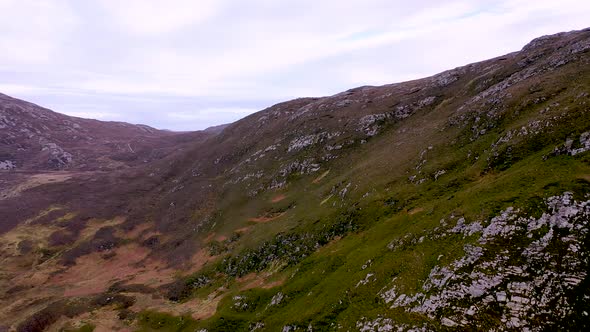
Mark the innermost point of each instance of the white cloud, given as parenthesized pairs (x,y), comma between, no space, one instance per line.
(237,54)
(149,17)
(211,113)
(31,32)
(20,89)
(89,112)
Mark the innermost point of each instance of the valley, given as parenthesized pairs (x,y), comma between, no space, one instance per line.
(459,201)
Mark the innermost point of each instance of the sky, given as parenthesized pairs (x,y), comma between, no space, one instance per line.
(190,64)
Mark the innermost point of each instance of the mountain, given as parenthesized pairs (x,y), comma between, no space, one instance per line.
(459,201)
(35,138)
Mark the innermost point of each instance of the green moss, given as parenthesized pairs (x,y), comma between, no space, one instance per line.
(83,328)
(155,321)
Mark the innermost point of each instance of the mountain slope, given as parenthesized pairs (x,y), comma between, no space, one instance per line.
(35,138)
(458,201)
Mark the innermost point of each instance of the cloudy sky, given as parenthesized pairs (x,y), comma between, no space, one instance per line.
(190,64)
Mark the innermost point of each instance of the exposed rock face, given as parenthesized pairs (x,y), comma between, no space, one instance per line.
(532,286)
(7,164)
(382,324)
(58,158)
(277,299)
(572,148)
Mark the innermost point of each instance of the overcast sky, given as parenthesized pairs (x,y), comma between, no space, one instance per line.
(190,64)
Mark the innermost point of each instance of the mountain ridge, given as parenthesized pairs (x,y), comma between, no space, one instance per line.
(355,210)
(37,138)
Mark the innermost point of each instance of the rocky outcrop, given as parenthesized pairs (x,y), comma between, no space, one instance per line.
(7,165)
(572,147)
(530,286)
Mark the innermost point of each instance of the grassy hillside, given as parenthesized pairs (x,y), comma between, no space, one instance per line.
(459,202)
(383,220)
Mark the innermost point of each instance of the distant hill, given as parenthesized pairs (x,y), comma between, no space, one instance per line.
(459,201)
(35,138)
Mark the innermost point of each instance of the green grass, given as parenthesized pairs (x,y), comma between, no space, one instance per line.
(83,328)
(332,272)
(322,248)
(154,321)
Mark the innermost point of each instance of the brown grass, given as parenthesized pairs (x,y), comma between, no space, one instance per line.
(196,308)
(209,237)
(258,280)
(94,225)
(199,260)
(35,181)
(243,229)
(104,319)
(415,210)
(326,199)
(221,238)
(93,275)
(278,198)
(38,234)
(267,217)
(319,178)
(140,231)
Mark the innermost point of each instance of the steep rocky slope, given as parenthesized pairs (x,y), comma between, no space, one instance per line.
(454,202)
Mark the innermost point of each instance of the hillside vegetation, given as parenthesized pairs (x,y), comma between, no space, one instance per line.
(455,202)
